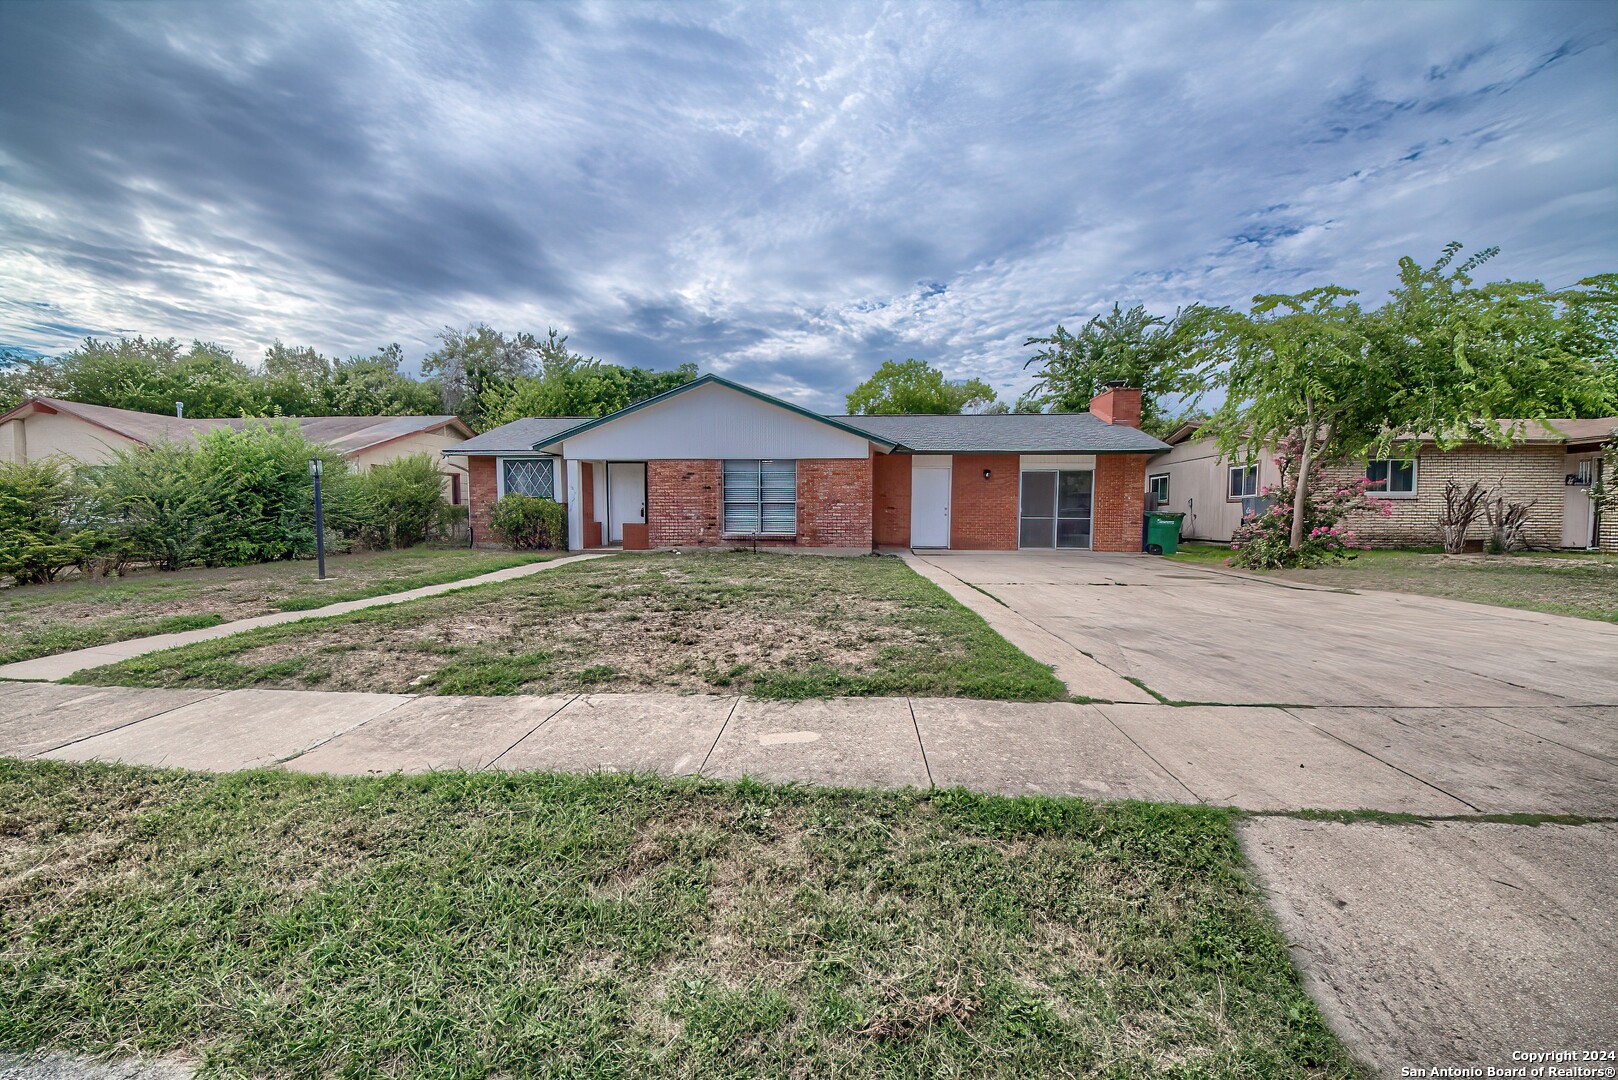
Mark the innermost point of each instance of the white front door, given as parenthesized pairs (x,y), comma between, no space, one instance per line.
(929,503)
(626,496)
(1578,507)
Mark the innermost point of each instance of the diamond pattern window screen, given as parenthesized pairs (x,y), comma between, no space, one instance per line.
(531,476)
(761,498)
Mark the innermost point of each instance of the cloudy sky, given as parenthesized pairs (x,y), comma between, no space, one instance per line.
(786,195)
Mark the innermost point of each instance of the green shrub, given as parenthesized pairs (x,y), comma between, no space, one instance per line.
(46,523)
(452,520)
(235,497)
(400,503)
(260,477)
(526,522)
(161,503)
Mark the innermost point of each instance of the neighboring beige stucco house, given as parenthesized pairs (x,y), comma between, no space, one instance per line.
(1552,465)
(90,434)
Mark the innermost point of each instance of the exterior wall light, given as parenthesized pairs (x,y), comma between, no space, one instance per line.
(986,474)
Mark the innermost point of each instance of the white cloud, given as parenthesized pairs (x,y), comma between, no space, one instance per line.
(792,194)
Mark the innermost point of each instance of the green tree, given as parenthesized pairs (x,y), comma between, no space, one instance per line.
(1456,358)
(1296,369)
(150,375)
(916,387)
(21,376)
(571,384)
(297,380)
(302,382)
(1155,353)
(472,363)
(374,386)
(1443,358)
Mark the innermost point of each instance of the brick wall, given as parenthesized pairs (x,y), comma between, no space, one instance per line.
(683,500)
(983,513)
(682,503)
(834,502)
(1120,499)
(590,530)
(1118,405)
(1526,473)
(890,500)
(484,490)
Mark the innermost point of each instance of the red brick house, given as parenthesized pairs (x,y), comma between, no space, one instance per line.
(716,464)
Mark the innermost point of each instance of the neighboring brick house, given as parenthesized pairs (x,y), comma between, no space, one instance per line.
(716,464)
(1552,466)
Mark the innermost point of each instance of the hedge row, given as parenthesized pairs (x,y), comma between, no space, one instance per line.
(230,498)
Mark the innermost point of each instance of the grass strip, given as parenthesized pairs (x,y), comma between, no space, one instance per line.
(457,924)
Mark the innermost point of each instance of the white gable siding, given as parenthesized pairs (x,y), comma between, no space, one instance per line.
(713,421)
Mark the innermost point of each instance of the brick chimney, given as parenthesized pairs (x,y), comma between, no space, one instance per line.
(1117,404)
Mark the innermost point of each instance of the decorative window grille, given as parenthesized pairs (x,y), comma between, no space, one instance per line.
(531,476)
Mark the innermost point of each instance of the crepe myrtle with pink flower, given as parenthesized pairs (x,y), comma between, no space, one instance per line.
(1264,540)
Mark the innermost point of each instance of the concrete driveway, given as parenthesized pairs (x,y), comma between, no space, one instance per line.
(1456,943)
(1199,635)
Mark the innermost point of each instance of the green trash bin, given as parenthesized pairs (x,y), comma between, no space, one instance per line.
(1163,532)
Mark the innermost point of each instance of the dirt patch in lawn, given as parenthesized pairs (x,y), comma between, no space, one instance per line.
(770,625)
(647,644)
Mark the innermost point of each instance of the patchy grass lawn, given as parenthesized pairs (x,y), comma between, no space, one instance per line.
(39,620)
(267,923)
(1581,584)
(770,625)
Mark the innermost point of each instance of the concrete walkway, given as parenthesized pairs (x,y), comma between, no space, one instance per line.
(1431,762)
(61,665)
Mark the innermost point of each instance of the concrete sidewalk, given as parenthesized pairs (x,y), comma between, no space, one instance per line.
(1421,761)
(61,665)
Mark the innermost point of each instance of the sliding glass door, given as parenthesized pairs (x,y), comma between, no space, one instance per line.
(1056,509)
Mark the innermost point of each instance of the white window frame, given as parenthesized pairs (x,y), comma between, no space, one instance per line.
(1230,474)
(1384,493)
(1151,481)
(500,472)
(759,501)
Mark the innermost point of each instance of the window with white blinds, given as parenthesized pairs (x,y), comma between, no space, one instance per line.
(761,498)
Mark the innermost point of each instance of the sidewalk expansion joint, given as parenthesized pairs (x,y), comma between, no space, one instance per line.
(141,720)
(339,734)
(920,745)
(551,716)
(1151,757)
(734,705)
(1403,772)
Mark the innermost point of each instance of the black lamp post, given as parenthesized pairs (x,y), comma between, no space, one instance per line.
(320,520)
